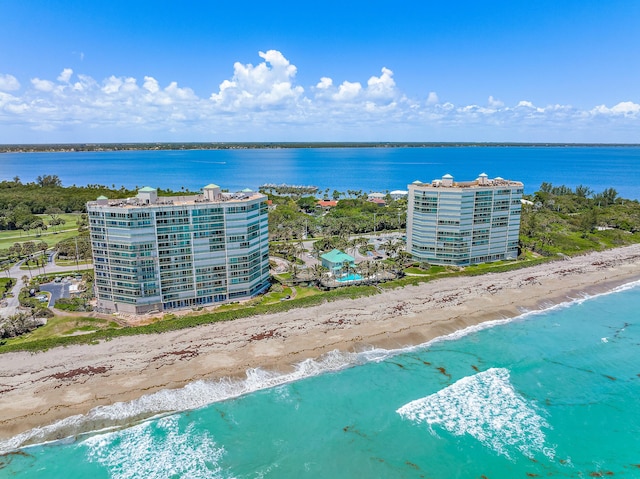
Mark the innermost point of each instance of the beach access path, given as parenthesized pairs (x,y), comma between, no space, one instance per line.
(37,389)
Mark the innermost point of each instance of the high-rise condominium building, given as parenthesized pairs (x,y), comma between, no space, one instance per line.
(156,253)
(463,223)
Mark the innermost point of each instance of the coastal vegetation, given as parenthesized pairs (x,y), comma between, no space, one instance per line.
(557,221)
(562,221)
(301,217)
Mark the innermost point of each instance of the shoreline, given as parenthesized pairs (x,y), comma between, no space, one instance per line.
(205,146)
(38,389)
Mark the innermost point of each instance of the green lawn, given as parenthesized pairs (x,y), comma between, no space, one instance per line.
(71,262)
(424,272)
(51,237)
(61,326)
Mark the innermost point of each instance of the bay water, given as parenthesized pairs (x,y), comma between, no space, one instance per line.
(553,394)
(342,169)
(548,394)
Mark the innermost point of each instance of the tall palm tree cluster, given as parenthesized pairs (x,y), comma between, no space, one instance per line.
(369,271)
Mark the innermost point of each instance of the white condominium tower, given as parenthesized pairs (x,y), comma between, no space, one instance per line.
(156,253)
(463,223)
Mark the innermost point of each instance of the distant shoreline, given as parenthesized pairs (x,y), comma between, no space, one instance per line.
(80,147)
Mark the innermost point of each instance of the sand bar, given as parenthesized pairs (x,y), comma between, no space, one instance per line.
(37,389)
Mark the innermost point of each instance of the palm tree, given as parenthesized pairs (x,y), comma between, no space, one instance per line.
(374,269)
(364,269)
(298,248)
(42,246)
(318,272)
(358,242)
(5,267)
(294,269)
(348,269)
(387,246)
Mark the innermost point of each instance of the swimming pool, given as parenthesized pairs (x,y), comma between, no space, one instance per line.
(350,277)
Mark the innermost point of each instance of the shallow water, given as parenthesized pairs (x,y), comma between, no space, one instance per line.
(551,394)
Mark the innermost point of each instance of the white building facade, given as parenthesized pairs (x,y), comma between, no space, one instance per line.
(160,253)
(464,223)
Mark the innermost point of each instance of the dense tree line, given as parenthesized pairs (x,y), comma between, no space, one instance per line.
(81,244)
(294,219)
(19,202)
(559,219)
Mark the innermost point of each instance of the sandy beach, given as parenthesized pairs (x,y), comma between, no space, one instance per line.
(37,389)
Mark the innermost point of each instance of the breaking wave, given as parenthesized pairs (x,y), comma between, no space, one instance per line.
(202,393)
(156,450)
(486,407)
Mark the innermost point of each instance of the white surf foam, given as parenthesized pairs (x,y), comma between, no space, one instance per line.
(486,407)
(202,393)
(192,396)
(156,450)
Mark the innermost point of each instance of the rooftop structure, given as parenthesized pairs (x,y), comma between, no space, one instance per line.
(335,261)
(154,253)
(463,223)
(327,203)
(397,194)
(376,195)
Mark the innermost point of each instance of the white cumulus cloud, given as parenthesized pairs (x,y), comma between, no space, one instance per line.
(151,84)
(433,99)
(383,86)
(261,101)
(267,84)
(625,108)
(8,83)
(494,103)
(348,91)
(65,75)
(324,83)
(42,85)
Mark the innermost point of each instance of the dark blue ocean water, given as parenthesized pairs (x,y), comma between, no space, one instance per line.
(552,394)
(366,169)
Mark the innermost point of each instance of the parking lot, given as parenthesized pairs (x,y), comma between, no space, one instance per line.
(57,290)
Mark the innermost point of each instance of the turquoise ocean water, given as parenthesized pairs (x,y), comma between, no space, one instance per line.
(367,169)
(555,394)
(551,394)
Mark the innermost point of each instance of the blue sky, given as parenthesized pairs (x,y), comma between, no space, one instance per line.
(543,71)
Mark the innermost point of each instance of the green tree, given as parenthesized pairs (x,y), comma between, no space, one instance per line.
(583,191)
(38,225)
(16,249)
(588,221)
(83,222)
(48,181)
(54,213)
(19,217)
(307,204)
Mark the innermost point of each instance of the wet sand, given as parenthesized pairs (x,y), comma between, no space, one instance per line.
(37,389)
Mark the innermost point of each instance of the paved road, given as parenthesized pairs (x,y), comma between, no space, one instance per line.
(12,303)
